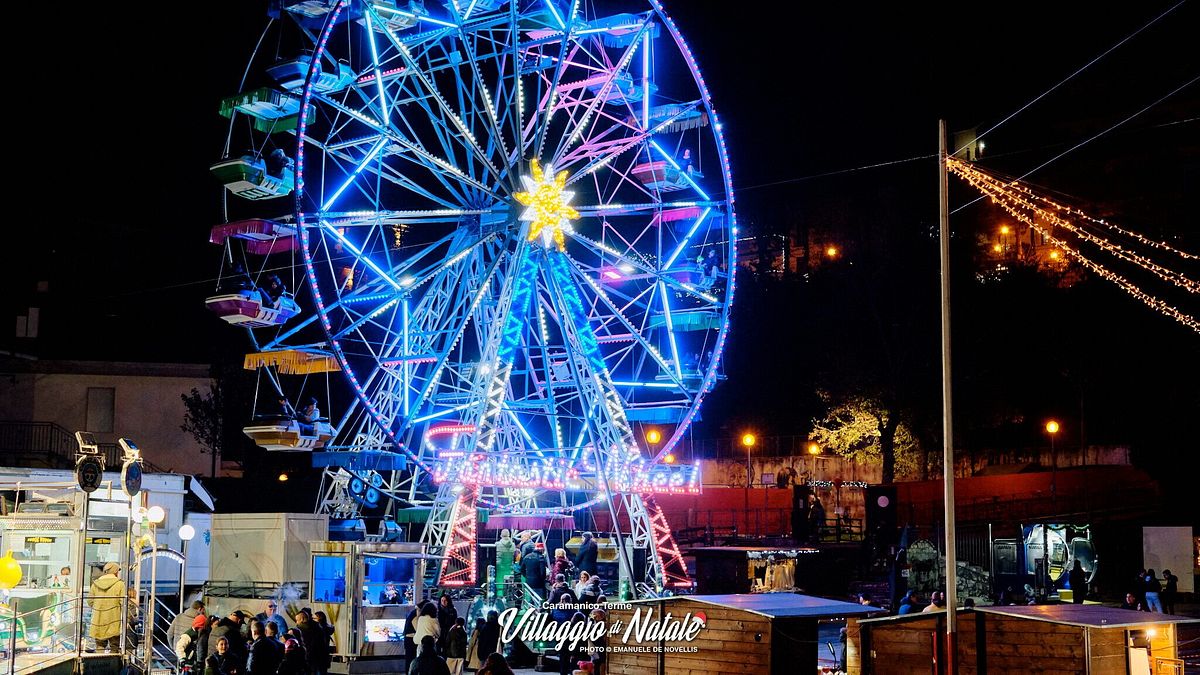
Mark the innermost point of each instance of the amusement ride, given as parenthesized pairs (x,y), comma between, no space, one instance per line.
(509,226)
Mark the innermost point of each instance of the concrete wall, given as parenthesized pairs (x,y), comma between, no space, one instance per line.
(147,407)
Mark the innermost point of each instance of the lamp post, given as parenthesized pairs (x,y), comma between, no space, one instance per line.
(1052,429)
(748,440)
(186,533)
(153,516)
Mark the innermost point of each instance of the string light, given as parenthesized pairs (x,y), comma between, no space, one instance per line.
(1018,195)
(1005,201)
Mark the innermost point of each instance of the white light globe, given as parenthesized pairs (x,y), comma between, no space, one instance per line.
(186,532)
(155,514)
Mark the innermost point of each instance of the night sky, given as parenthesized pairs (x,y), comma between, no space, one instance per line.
(113,200)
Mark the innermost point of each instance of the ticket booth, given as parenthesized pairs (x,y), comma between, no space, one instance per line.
(367,590)
(45,537)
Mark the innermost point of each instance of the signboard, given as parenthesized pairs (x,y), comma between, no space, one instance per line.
(89,471)
(131,477)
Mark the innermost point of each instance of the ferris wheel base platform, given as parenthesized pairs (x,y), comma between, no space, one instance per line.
(361,460)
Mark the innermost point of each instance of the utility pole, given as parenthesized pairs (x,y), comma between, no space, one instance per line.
(951,665)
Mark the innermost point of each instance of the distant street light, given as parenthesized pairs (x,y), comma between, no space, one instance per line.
(748,440)
(653,436)
(831,252)
(1004,229)
(670,458)
(1052,429)
(814,449)
(283,478)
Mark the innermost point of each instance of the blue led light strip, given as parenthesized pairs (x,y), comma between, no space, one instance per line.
(579,318)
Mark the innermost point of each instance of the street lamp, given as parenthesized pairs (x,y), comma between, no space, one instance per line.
(748,440)
(153,516)
(186,534)
(814,449)
(1052,429)
(653,436)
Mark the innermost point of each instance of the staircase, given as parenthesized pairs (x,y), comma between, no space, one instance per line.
(46,445)
(37,445)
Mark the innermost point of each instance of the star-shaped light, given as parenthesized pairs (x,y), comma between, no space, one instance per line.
(547,205)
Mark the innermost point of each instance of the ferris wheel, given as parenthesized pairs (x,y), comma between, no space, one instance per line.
(514,222)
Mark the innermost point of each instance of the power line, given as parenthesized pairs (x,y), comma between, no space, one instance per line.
(1089,140)
(1068,78)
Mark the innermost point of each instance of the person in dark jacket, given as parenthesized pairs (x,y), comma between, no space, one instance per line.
(446,614)
(265,653)
(293,659)
(456,646)
(410,632)
(585,559)
(495,665)
(562,564)
(222,661)
(1170,591)
(323,621)
(316,642)
(568,658)
(1078,581)
(428,662)
(230,628)
(489,637)
(561,593)
(533,568)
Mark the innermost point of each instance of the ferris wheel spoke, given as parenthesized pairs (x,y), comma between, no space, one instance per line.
(638,337)
(601,156)
(547,103)
(443,106)
(462,322)
(602,95)
(431,163)
(489,107)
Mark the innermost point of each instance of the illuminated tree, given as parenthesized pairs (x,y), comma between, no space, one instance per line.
(866,430)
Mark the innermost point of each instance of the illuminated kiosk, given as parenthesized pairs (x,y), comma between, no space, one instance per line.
(42,527)
(294,559)
(516,218)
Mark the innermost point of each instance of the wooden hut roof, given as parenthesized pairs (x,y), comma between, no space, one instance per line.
(780,605)
(1089,616)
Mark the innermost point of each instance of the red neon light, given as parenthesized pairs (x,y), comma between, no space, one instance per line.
(458,567)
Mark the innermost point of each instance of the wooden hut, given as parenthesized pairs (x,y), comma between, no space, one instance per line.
(1047,639)
(764,634)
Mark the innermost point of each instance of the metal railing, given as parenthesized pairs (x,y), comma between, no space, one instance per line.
(252,590)
(35,638)
(45,442)
(162,651)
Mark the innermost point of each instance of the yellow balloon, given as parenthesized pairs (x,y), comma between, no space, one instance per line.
(10,572)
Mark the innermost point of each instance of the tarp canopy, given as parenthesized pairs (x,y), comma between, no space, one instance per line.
(293,361)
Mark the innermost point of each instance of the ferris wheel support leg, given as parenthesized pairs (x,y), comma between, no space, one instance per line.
(459,561)
(668,561)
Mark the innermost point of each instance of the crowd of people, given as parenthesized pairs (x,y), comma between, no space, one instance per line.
(241,644)
(1149,593)
(436,641)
